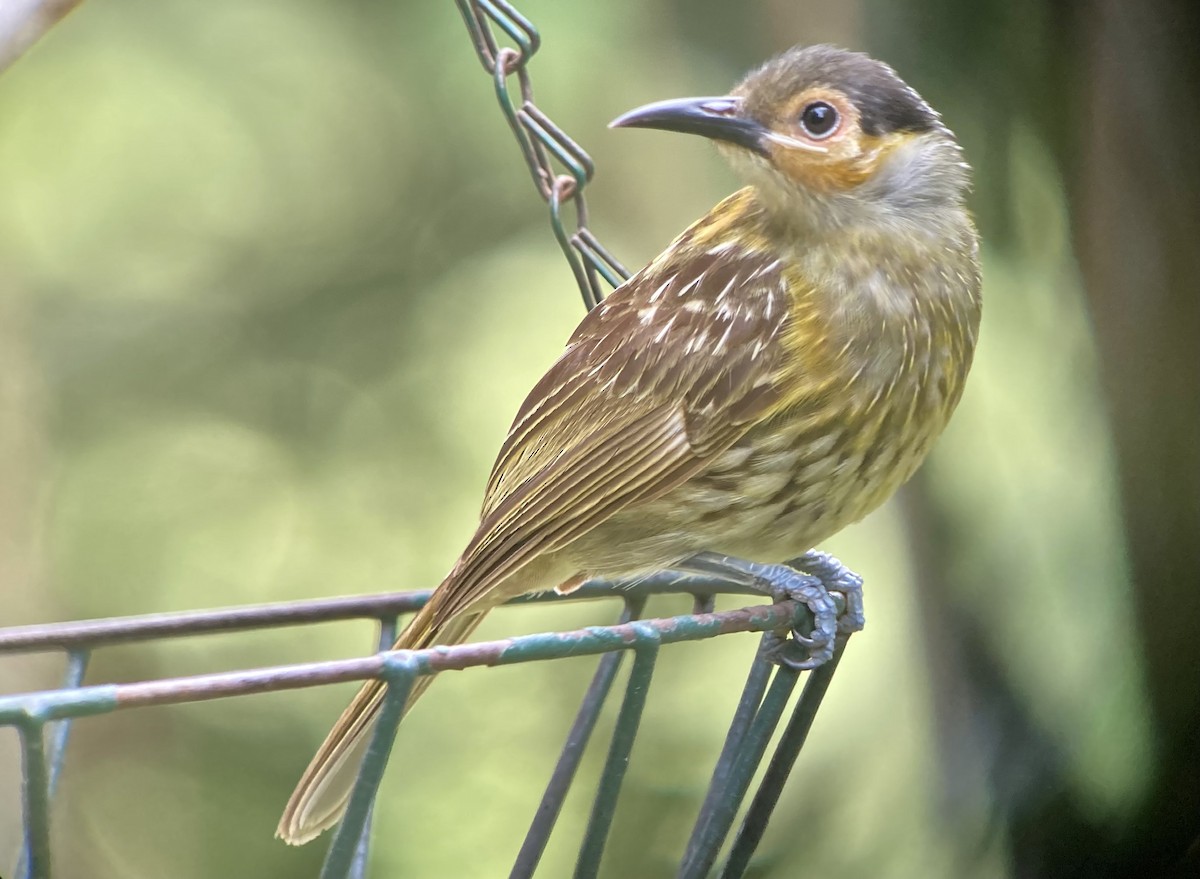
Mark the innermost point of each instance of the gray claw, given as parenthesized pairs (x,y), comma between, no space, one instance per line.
(816,646)
(813,654)
(809,644)
(852,619)
(837,580)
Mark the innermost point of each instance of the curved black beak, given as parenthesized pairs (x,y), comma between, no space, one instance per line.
(714,118)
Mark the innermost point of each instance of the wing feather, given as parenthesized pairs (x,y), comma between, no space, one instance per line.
(669,371)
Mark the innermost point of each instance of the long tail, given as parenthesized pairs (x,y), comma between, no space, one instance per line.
(321,795)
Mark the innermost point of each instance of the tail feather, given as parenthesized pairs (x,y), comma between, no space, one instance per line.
(321,795)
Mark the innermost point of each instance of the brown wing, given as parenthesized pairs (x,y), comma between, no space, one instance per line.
(667,373)
(670,370)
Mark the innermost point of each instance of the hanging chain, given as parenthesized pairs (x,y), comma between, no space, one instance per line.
(547,149)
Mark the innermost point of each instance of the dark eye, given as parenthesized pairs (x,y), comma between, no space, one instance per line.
(819,120)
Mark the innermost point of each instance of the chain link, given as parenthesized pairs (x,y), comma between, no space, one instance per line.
(560,167)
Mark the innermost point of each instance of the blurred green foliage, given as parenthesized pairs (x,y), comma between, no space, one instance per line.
(274,281)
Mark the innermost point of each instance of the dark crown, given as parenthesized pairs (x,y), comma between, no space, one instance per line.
(885,102)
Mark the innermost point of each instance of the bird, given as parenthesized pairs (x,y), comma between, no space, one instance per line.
(771,377)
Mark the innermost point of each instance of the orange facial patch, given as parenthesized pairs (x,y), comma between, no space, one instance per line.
(847,164)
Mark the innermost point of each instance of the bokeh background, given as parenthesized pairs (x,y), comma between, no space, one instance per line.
(273,280)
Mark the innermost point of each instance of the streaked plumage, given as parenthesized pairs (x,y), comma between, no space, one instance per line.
(772,377)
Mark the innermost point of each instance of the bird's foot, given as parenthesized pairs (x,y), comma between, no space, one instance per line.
(801,650)
(838,580)
(812,580)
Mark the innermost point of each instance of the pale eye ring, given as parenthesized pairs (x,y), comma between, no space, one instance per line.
(819,120)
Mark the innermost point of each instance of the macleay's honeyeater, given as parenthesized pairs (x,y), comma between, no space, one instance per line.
(774,375)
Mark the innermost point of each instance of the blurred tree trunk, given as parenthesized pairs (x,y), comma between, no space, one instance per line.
(1135,191)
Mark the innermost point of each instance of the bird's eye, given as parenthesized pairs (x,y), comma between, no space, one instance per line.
(819,120)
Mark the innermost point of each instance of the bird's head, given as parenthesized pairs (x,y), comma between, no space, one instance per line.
(823,124)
